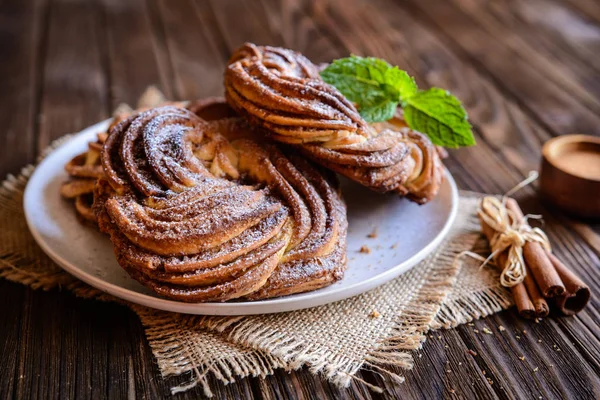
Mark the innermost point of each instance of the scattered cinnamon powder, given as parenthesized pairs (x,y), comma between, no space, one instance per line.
(373,233)
(365,249)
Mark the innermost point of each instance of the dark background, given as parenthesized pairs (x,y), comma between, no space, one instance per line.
(527,70)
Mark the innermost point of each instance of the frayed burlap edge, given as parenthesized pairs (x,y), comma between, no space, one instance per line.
(472,307)
(173,344)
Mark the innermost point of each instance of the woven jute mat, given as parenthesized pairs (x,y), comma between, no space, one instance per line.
(377,330)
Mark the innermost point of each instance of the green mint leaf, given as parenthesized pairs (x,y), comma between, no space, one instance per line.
(381,109)
(371,83)
(377,88)
(404,83)
(440,116)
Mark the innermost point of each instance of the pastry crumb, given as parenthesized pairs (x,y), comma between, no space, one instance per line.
(373,234)
(487,331)
(501,328)
(375,314)
(365,249)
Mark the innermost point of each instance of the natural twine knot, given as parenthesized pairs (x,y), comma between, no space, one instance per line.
(511,233)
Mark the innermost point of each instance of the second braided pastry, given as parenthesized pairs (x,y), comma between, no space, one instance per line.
(281,91)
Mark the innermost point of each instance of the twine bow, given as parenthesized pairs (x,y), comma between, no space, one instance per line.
(512,233)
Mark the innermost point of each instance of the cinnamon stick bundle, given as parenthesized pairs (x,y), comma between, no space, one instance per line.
(546,277)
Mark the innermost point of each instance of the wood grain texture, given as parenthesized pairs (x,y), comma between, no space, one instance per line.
(74,91)
(526,71)
(536,81)
(21,48)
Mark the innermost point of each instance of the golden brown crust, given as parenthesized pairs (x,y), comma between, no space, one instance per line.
(281,91)
(197,215)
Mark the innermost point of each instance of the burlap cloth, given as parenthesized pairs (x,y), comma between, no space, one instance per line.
(376,330)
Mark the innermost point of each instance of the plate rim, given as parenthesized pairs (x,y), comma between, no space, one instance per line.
(283,304)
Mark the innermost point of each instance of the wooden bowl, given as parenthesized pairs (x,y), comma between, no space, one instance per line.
(570,176)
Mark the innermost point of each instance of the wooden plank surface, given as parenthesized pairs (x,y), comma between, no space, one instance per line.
(526,71)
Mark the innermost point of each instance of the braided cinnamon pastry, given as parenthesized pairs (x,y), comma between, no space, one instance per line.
(198,211)
(281,91)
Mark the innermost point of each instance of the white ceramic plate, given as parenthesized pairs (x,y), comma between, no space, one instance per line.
(406,233)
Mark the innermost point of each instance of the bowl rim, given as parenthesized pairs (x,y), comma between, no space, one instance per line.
(562,140)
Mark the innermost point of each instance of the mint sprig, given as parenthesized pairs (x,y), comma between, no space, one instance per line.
(377,88)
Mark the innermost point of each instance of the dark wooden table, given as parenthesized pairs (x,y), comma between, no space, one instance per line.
(527,70)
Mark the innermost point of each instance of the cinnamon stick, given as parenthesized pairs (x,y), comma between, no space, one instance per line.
(537,261)
(539,302)
(577,293)
(522,300)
